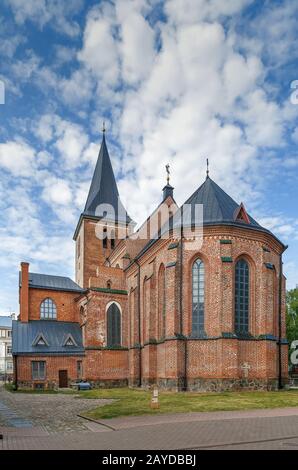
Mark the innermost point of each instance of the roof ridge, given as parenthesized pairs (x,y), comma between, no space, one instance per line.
(195,192)
(219,200)
(52,275)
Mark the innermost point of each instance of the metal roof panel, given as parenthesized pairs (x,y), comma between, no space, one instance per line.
(55,332)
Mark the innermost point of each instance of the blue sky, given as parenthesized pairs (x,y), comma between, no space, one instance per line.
(176,81)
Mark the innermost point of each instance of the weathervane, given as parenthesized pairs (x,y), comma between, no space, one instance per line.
(103,127)
(207,170)
(168,173)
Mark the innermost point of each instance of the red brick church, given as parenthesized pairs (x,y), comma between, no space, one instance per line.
(162,310)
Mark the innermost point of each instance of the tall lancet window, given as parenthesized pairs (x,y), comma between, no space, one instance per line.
(112,239)
(162,301)
(113,326)
(105,238)
(198,297)
(242,296)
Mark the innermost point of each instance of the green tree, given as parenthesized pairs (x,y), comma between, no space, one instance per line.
(292,315)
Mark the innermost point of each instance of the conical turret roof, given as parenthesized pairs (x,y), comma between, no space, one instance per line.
(103,193)
(218,206)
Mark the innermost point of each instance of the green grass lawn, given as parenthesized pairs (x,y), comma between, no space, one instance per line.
(134,402)
(137,402)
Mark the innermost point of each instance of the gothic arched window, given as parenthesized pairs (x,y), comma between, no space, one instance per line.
(198,294)
(242,296)
(112,239)
(48,309)
(105,238)
(113,326)
(162,301)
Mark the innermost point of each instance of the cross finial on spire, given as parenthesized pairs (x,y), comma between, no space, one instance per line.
(103,127)
(168,173)
(207,170)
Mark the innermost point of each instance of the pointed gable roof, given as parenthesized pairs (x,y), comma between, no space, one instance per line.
(69,340)
(40,340)
(218,206)
(241,214)
(103,189)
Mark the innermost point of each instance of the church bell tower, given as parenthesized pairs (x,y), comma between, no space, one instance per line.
(103,222)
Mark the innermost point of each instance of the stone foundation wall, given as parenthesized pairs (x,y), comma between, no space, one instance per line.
(225,385)
(214,385)
(109,383)
(47,384)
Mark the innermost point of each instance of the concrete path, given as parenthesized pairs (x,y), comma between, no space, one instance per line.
(149,420)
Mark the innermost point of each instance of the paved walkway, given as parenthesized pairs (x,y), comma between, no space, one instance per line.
(140,421)
(248,431)
(254,429)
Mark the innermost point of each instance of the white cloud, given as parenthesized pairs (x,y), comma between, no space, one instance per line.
(192,11)
(17,158)
(24,69)
(68,138)
(276,29)
(241,75)
(285,227)
(295,135)
(71,143)
(58,15)
(57,191)
(80,194)
(263,118)
(44,158)
(25,235)
(137,42)
(45,128)
(9,46)
(90,154)
(99,53)
(77,89)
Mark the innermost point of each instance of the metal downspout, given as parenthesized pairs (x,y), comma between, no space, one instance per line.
(139,322)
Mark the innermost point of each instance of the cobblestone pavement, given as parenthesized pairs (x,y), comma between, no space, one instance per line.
(54,412)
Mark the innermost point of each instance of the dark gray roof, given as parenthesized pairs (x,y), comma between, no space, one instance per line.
(46,281)
(218,209)
(54,332)
(5,321)
(103,189)
(218,206)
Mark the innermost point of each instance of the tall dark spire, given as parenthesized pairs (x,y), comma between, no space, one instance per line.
(103,189)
